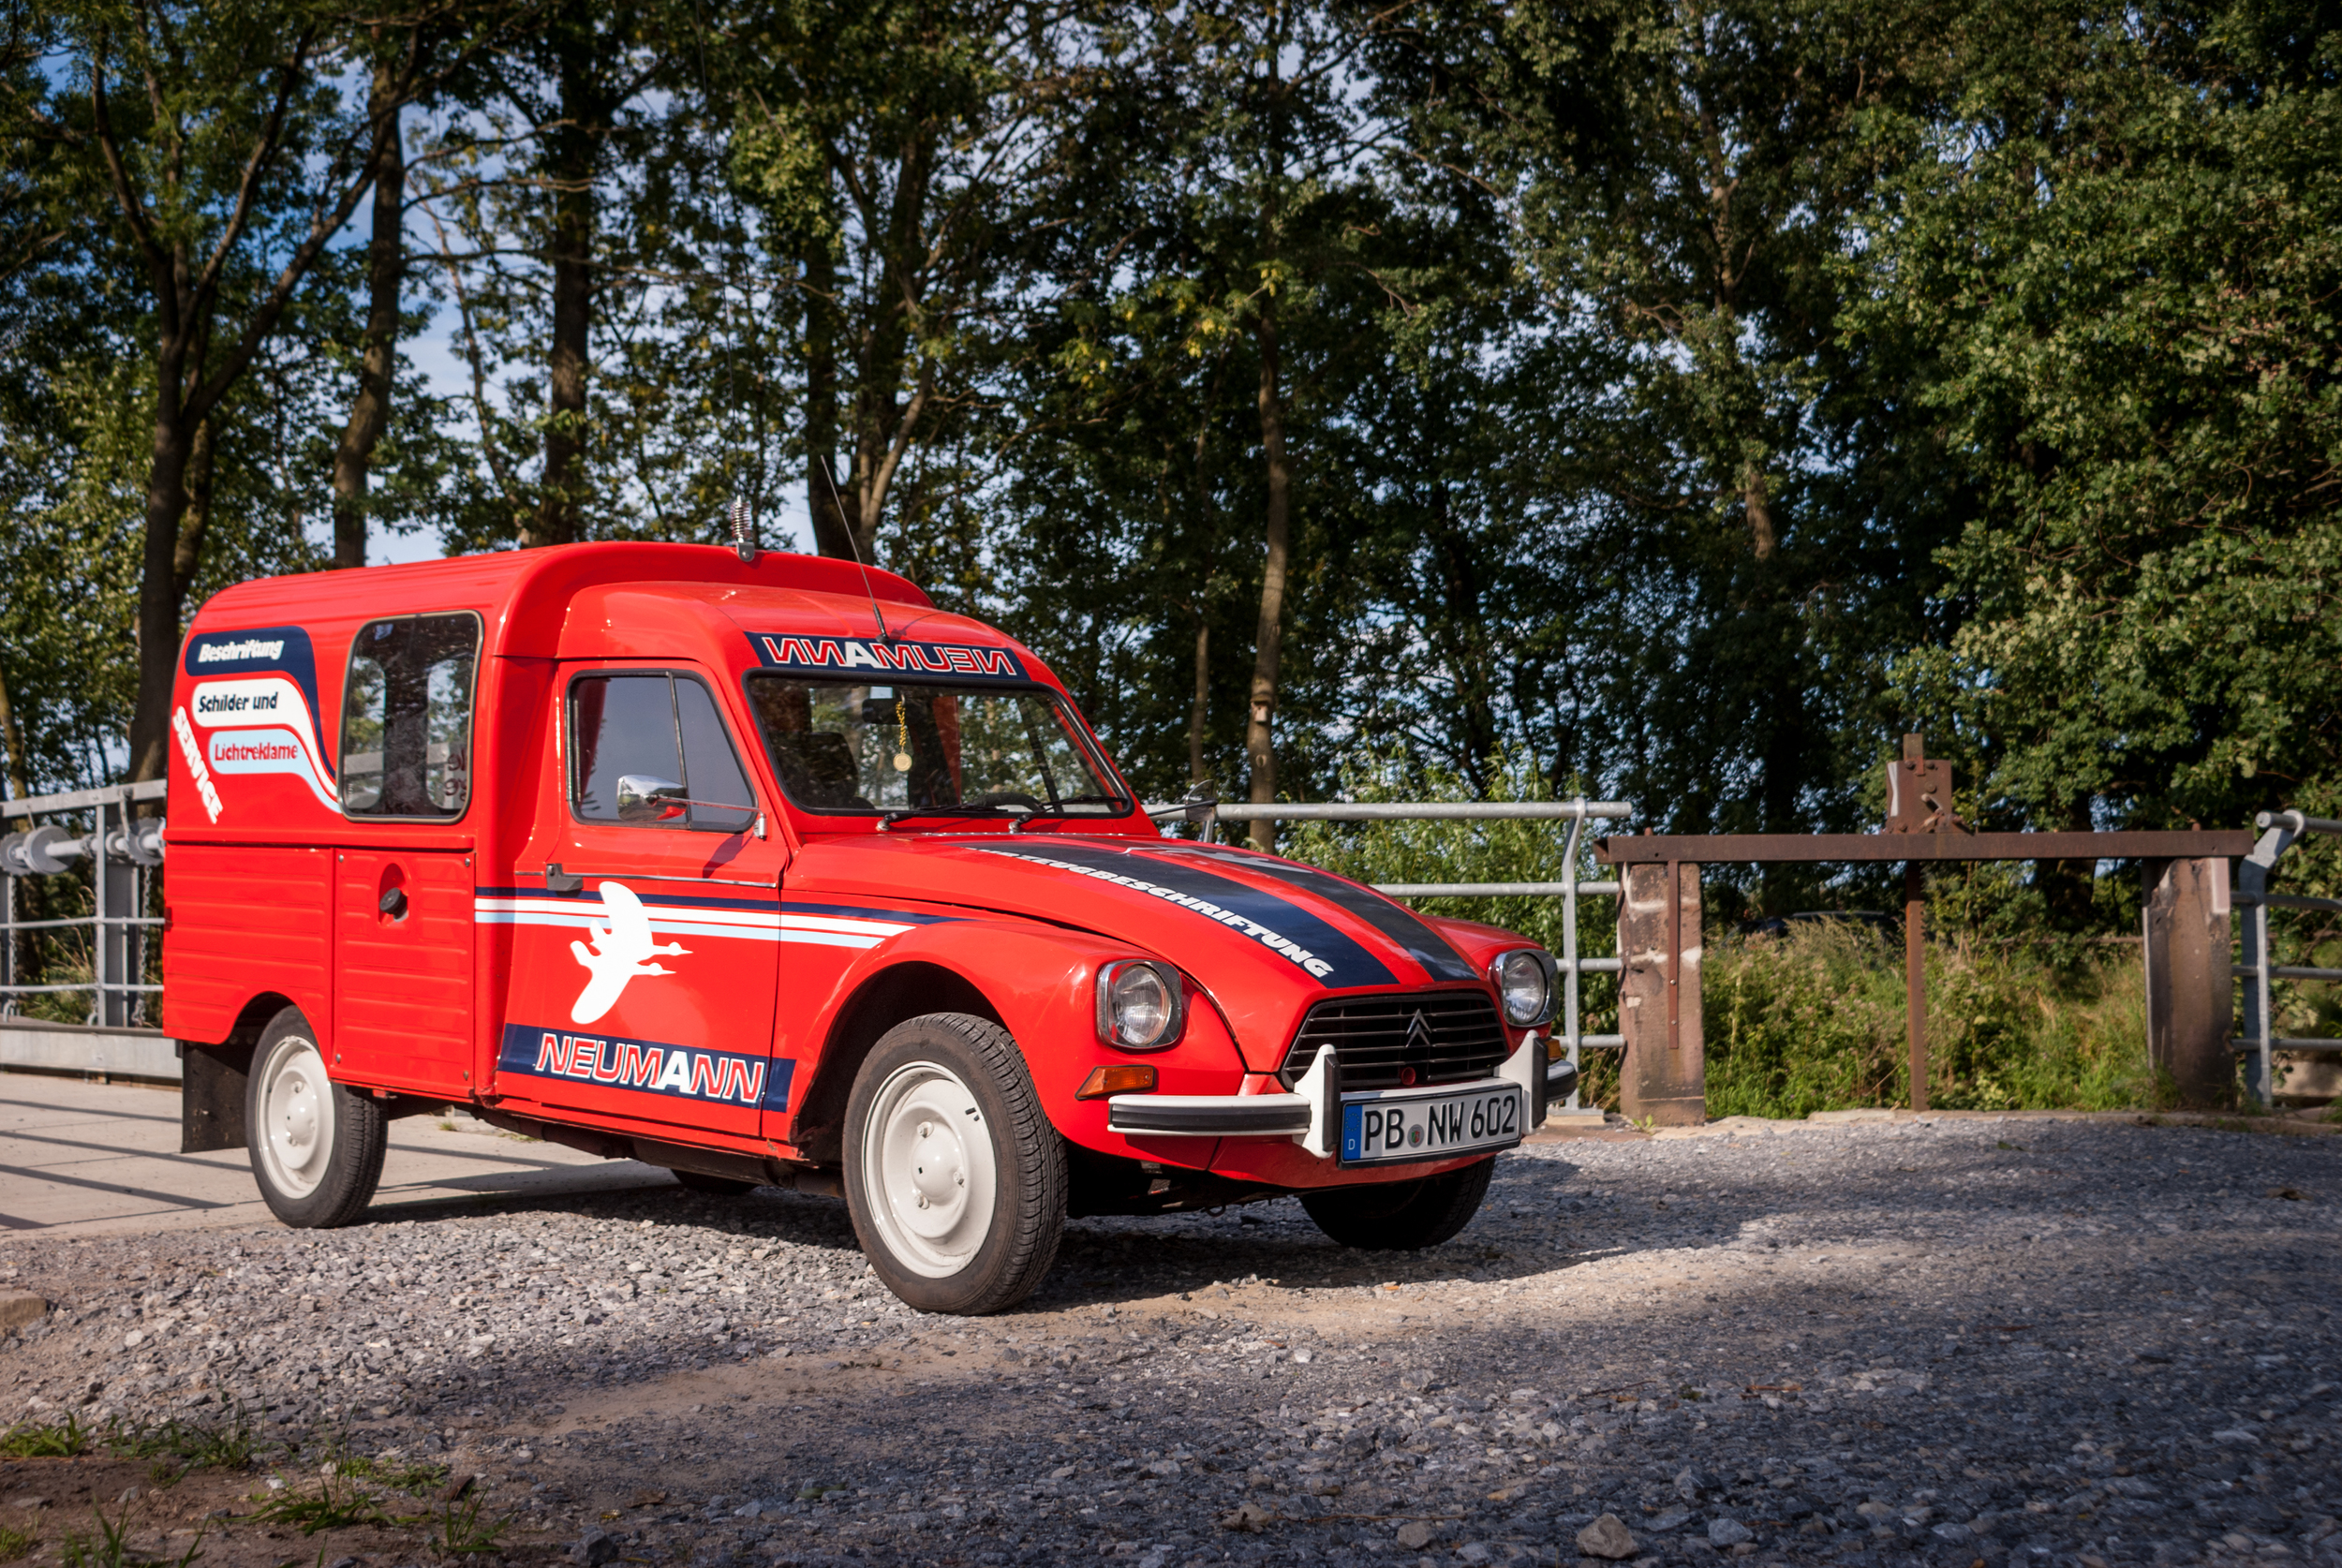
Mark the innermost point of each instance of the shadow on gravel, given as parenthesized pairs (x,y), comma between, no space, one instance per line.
(1102,1260)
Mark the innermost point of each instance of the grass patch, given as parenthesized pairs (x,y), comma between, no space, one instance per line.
(329,1507)
(15,1543)
(413,1479)
(111,1546)
(459,1531)
(1814,1021)
(186,1444)
(45,1440)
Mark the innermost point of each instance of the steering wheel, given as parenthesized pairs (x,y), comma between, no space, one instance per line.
(1007,797)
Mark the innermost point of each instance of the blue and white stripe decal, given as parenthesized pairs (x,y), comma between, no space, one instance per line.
(1279,924)
(1402,924)
(809,924)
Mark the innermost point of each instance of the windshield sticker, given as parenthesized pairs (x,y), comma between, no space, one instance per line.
(884,656)
(1402,924)
(646,1066)
(1277,924)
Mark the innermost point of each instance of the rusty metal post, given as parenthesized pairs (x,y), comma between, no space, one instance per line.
(1915,977)
(1664,1076)
(2190,985)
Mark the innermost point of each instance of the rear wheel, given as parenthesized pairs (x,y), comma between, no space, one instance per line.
(954,1178)
(1401,1216)
(714,1186)
(316,1148)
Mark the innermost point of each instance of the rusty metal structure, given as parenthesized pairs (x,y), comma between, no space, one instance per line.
(2185,920)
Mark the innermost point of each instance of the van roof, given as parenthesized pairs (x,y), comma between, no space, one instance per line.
(507,585)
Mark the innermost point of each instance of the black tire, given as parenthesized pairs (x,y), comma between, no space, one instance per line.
(939,1240)
(714,1186)
(316,1147)
(1404,1215)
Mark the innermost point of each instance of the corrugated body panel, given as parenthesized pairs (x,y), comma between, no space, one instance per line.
(403,978)
(244,921)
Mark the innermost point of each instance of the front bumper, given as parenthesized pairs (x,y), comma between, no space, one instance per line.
(1313,1112)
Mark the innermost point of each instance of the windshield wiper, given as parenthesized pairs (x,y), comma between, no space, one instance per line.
(906,813)
(1059,817)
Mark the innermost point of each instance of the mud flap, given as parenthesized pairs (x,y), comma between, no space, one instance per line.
(212,1084)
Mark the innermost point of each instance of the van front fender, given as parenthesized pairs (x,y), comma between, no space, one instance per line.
(1037,982)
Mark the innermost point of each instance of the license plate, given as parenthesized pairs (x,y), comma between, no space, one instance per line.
(1384,1131)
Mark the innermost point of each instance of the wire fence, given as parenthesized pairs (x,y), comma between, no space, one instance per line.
(87,850)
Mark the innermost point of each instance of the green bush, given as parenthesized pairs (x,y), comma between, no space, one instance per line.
(1814,1021)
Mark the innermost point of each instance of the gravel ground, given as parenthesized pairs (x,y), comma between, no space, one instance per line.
(1950,1341)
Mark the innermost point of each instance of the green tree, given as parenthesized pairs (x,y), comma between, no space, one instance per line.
(2121,262)
(1727,565)
(225,168)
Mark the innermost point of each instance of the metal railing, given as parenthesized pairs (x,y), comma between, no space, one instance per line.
(121,851)
(1208,813)
(2280,831)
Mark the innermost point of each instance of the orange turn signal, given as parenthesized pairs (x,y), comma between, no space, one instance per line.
(1103,1081)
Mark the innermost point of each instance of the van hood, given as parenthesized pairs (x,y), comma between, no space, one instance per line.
(1266,937)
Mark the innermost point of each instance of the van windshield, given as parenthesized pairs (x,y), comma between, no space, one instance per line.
(910,750)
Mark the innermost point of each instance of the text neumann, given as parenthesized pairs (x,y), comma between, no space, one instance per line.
(624,1064)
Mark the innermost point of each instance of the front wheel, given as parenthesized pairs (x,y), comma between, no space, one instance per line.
(954,1178)
(1402,1216)
(316,1148)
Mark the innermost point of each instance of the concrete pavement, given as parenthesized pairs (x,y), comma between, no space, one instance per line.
(84,1159)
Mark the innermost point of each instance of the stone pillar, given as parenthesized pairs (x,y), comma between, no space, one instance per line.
(2191,991)
(1664,1075)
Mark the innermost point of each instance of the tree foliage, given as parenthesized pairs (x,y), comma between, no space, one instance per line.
(1673,400)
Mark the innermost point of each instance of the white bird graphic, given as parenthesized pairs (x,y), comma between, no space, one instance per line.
(621,951)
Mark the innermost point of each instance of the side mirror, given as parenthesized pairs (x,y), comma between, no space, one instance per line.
(644,798)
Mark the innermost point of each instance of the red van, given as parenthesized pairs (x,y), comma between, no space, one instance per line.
(764,870)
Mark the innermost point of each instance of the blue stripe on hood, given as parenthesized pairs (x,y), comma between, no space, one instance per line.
(1402,924)
(1277,924)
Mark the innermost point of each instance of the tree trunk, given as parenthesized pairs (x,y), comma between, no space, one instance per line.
(823,500)
(12,739)
(1464,639)
(158,579)
(570,167)
(1259,747)
(1756,502)
(197,522)
(1203,692)
(370,412)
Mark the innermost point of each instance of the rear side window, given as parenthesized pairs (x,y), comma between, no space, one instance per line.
(406,716)
(633,736)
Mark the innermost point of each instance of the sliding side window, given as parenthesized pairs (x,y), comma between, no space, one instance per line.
(406,716)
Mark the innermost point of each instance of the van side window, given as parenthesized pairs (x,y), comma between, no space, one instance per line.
(660,732)
(406,716)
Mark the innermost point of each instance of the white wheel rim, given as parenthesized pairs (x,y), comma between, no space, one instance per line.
(929,1171)
(296,1129)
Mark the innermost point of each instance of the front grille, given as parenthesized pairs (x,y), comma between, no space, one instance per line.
(1379,1047)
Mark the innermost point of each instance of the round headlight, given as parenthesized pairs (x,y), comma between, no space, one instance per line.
(1525,980)
(1138,1006)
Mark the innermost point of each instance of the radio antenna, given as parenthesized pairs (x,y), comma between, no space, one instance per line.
(743,526)
(855,545)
